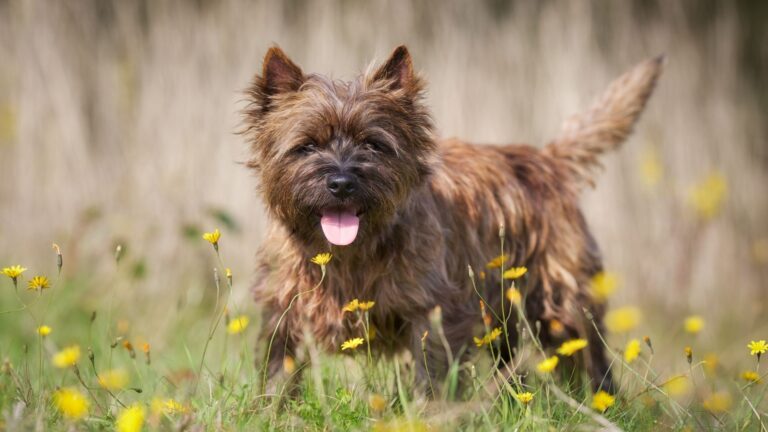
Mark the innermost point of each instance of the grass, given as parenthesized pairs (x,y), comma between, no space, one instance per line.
(208,373)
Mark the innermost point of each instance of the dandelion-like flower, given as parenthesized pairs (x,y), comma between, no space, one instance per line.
(351,306)
(212,237)
(130,419)
(757,347)
(514,296)
(515,272)
(289,365)
(67,357)
(38,283)
(114,379)
(631,351)
(238,325)
(72,404)
(14,272)
(602,285)
(496,262)
(693,324)
(651,168)
(602,400)
(688,354)
(623,319)
(677,386)
(707,197)
(718,402)
(377,403)
(524,398)
(364,306)
(548,365)
(488,338)
(167,406)
(352,344)
(571,347)
(750,376)
(556,327)
(322,259)
(44,330)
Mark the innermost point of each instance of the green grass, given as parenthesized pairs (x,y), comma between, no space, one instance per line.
(222,389)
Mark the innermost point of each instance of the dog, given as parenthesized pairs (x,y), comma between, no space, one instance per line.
(355,169)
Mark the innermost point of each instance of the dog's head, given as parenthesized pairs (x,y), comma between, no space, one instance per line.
(336,160)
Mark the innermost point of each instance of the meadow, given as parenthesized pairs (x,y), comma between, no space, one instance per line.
(118,124)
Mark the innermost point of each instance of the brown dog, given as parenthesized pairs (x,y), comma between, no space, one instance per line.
(354,168)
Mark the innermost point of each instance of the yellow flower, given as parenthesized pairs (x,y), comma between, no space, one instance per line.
(631,351)
(514,296)
(515,272)
(711,362)
(693,324)
(212,237)
(167,406)
(44,330)
(623,319)
(289,364)
(750,376)
(38,283)
(352,344)
(377,403)
(524,398)
(67,357)
(490,337)
(556,327)
(718,402)
(351,306)
(14,272)
(114,379)
(757,347)
(71,403)
(130,419)
(569,348)
(677,386)
(496,262)
(688,354)
(707,196)
(651,169)
(364,306)
(602,285)
(602,400)
(322,259)
(237,325)
(548,365)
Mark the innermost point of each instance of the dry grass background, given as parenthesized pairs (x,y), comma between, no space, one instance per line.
(117,124)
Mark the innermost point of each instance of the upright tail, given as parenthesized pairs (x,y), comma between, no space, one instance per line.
(607,123)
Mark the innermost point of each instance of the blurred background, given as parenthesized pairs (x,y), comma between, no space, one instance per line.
(118,125)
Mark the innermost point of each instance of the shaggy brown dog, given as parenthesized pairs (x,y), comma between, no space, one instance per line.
(354,168)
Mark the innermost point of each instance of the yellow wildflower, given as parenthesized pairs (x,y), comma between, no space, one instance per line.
(524,398)
(496,262)
(44,330)
(570,347)
(351,306)
(602,400)
(623,319)
(651,169)
(688,354)
(71,403)
(289,364)
(364,306)
(130,419)
(677,386)
(718,402)
(750,376)
(490,337)
(602,285)
(14,272)
(514,296)
(352,344)
(212,237)
(515,272)
(38,283)
(322,259)
(711,362)
(167,406)
(693,324)
(631,351)
(556,327)
(67,357)
(707,197)
(238,325)
(377,403)
(757,347)
(114,379)
(548,365)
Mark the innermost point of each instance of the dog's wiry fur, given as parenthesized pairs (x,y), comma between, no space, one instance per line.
(429,209)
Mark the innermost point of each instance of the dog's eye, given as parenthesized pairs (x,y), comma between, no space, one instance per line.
(377,146)
(307,147)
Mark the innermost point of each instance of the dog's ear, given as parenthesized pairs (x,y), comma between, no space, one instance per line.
(397,71)
(279,73)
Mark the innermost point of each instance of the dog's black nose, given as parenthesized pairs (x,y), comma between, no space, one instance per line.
(341,185)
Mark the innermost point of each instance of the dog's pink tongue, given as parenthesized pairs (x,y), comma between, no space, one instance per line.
(340,228)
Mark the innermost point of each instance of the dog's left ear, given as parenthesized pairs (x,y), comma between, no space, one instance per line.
(398,71)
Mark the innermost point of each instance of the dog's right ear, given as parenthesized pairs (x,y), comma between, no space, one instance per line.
(279,73)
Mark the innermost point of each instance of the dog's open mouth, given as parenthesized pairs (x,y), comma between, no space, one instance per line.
(340,225)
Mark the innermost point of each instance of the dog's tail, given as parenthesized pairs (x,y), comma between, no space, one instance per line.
(607,123)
